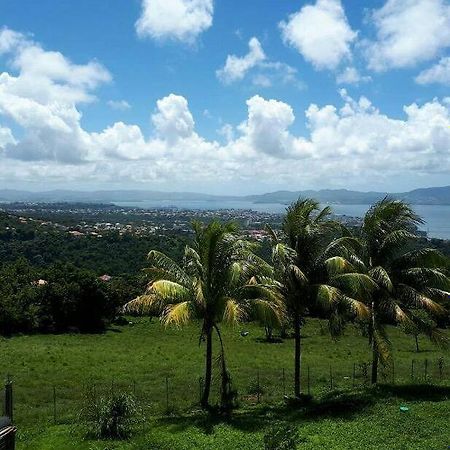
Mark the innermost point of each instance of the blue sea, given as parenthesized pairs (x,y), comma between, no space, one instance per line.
(437,217)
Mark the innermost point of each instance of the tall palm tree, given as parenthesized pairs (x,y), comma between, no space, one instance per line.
(406,278)
(307,269)
(212,284)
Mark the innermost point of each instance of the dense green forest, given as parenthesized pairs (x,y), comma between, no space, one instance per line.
(73,296)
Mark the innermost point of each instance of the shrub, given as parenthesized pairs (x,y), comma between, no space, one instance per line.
(110,416)
(281,437)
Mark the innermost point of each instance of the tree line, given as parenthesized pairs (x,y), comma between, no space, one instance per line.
(375,275)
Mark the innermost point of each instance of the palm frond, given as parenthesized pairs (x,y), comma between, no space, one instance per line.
(165,265)
(381,277)
(338,265)
(142,305)
(355,284)
(178,314)
(169,292)
(234,311)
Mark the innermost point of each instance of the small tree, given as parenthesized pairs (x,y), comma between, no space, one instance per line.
(406,278)
(307,271)
(213,284)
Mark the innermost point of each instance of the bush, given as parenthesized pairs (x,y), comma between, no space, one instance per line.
(281,437)
(110,416)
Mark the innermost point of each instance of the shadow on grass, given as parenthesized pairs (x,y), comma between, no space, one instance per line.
(264,340)
(251,419)
(414,392)
(342,404)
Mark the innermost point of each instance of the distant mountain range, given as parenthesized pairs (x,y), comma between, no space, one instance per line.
(425,196)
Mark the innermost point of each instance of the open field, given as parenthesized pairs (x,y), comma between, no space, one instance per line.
(143,357)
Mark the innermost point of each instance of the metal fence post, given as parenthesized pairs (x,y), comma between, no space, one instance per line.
(8,407)
(258,388)
(426,370)
(309,383)
(167,393)
(54,404)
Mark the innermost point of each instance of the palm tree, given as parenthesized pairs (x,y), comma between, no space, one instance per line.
(213,284)
(308,268)
(407,278)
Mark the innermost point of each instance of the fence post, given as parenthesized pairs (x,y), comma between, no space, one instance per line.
(441,368)
(8,407)
(258,388)
(200,388)
(309,385)
(167,393)
(54,404)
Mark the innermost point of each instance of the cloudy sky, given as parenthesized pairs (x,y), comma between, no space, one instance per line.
(224,96)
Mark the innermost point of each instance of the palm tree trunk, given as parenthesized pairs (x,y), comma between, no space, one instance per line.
(208,368)
(225,377)
(297,361)
(374,377)
(374,363)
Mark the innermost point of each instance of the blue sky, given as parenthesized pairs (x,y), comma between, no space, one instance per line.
(224,96)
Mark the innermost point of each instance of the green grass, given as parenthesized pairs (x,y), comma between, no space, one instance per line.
(139,358)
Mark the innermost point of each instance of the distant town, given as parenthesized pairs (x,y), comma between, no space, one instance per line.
(83,219)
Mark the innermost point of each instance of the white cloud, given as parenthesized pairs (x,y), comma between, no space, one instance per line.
(173,120)
(267,129)
(439,73)
(236,67)
(6,137)
(341,141)
(408,32)
(266,72)
(351,76)
(42,99)
(321,33)
(119,105)
(180,20)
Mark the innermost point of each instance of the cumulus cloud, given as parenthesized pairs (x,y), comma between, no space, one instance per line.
(340,141)
(173,120)
(408,32)
(321,33)
(42,99)
(266,72)
(179,20)
(236,67)
(439,73)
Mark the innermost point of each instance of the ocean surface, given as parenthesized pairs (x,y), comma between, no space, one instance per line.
(437,217)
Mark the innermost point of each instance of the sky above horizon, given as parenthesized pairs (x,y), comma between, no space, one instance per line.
(224,96)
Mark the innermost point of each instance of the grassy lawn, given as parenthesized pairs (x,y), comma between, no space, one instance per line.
(141,357)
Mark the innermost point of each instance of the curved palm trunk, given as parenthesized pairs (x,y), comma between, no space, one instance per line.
(297,360)
(225,377)
(208,368)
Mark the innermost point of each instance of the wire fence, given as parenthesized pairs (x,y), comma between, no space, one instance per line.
(173,394)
